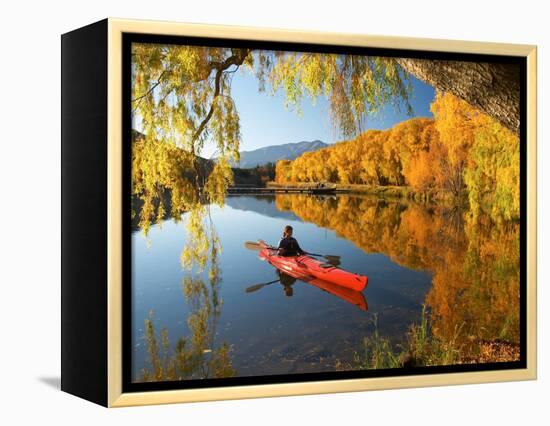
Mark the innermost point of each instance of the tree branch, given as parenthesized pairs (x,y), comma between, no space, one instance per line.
(236,59)
(153,87)
(493,88)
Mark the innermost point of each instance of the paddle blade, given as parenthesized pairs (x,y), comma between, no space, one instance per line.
(251,245)
(253,288)
(333,260)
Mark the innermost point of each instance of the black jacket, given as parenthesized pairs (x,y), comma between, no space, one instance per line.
(289,247)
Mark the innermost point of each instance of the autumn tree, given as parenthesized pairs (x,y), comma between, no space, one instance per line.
(419,172)
(461,151)
(283,171)
(492,175)
(374,157)
(457,123)
(479,155)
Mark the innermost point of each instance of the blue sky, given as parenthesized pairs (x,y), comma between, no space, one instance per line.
(266,121)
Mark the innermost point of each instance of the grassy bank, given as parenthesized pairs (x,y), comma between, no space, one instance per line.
(422,348)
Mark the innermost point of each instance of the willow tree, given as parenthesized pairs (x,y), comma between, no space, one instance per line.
(182,98)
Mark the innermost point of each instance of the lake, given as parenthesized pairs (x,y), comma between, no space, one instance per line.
(413,255)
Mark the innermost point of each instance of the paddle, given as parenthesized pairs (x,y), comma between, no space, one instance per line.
(251,245)
(255,287)
(329,257)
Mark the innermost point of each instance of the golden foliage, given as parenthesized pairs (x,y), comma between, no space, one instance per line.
(355,86)
(492,175)
(460,150)
(374,157)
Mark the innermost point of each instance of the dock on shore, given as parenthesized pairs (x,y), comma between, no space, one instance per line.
(279,190)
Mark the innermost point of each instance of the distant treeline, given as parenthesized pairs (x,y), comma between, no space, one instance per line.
(257,176)
(461,151)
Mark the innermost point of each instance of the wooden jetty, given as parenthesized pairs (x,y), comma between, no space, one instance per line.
(280,190)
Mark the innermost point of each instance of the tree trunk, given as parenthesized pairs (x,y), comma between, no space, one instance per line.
(491,87)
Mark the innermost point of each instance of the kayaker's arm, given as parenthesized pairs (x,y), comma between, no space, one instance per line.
(280,247)
(299,249)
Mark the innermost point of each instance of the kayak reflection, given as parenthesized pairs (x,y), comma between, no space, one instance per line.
(354,297)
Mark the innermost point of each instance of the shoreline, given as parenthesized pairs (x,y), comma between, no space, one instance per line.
(398,192)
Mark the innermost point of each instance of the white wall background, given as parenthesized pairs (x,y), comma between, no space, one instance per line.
(30,211)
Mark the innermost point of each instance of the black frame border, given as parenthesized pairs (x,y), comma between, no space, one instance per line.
(129,386)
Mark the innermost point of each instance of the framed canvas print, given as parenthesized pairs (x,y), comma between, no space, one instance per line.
(254,212)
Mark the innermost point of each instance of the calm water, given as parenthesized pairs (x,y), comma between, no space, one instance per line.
(268,332)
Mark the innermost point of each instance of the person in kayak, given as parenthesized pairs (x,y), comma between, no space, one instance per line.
(288,246)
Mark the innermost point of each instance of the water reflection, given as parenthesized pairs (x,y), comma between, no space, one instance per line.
(288,281)
(196,355)
(474,261)
(465,272)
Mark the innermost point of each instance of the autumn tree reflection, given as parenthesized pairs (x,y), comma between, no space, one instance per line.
(474,260)
(197,355)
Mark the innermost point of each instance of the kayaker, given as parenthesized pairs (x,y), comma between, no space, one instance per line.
(288,246)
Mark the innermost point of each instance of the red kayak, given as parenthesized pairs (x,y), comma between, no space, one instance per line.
(306,266)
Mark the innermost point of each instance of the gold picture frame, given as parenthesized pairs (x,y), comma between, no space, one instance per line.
(115,397)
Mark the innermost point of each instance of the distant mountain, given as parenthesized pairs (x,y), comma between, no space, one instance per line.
(274,153)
